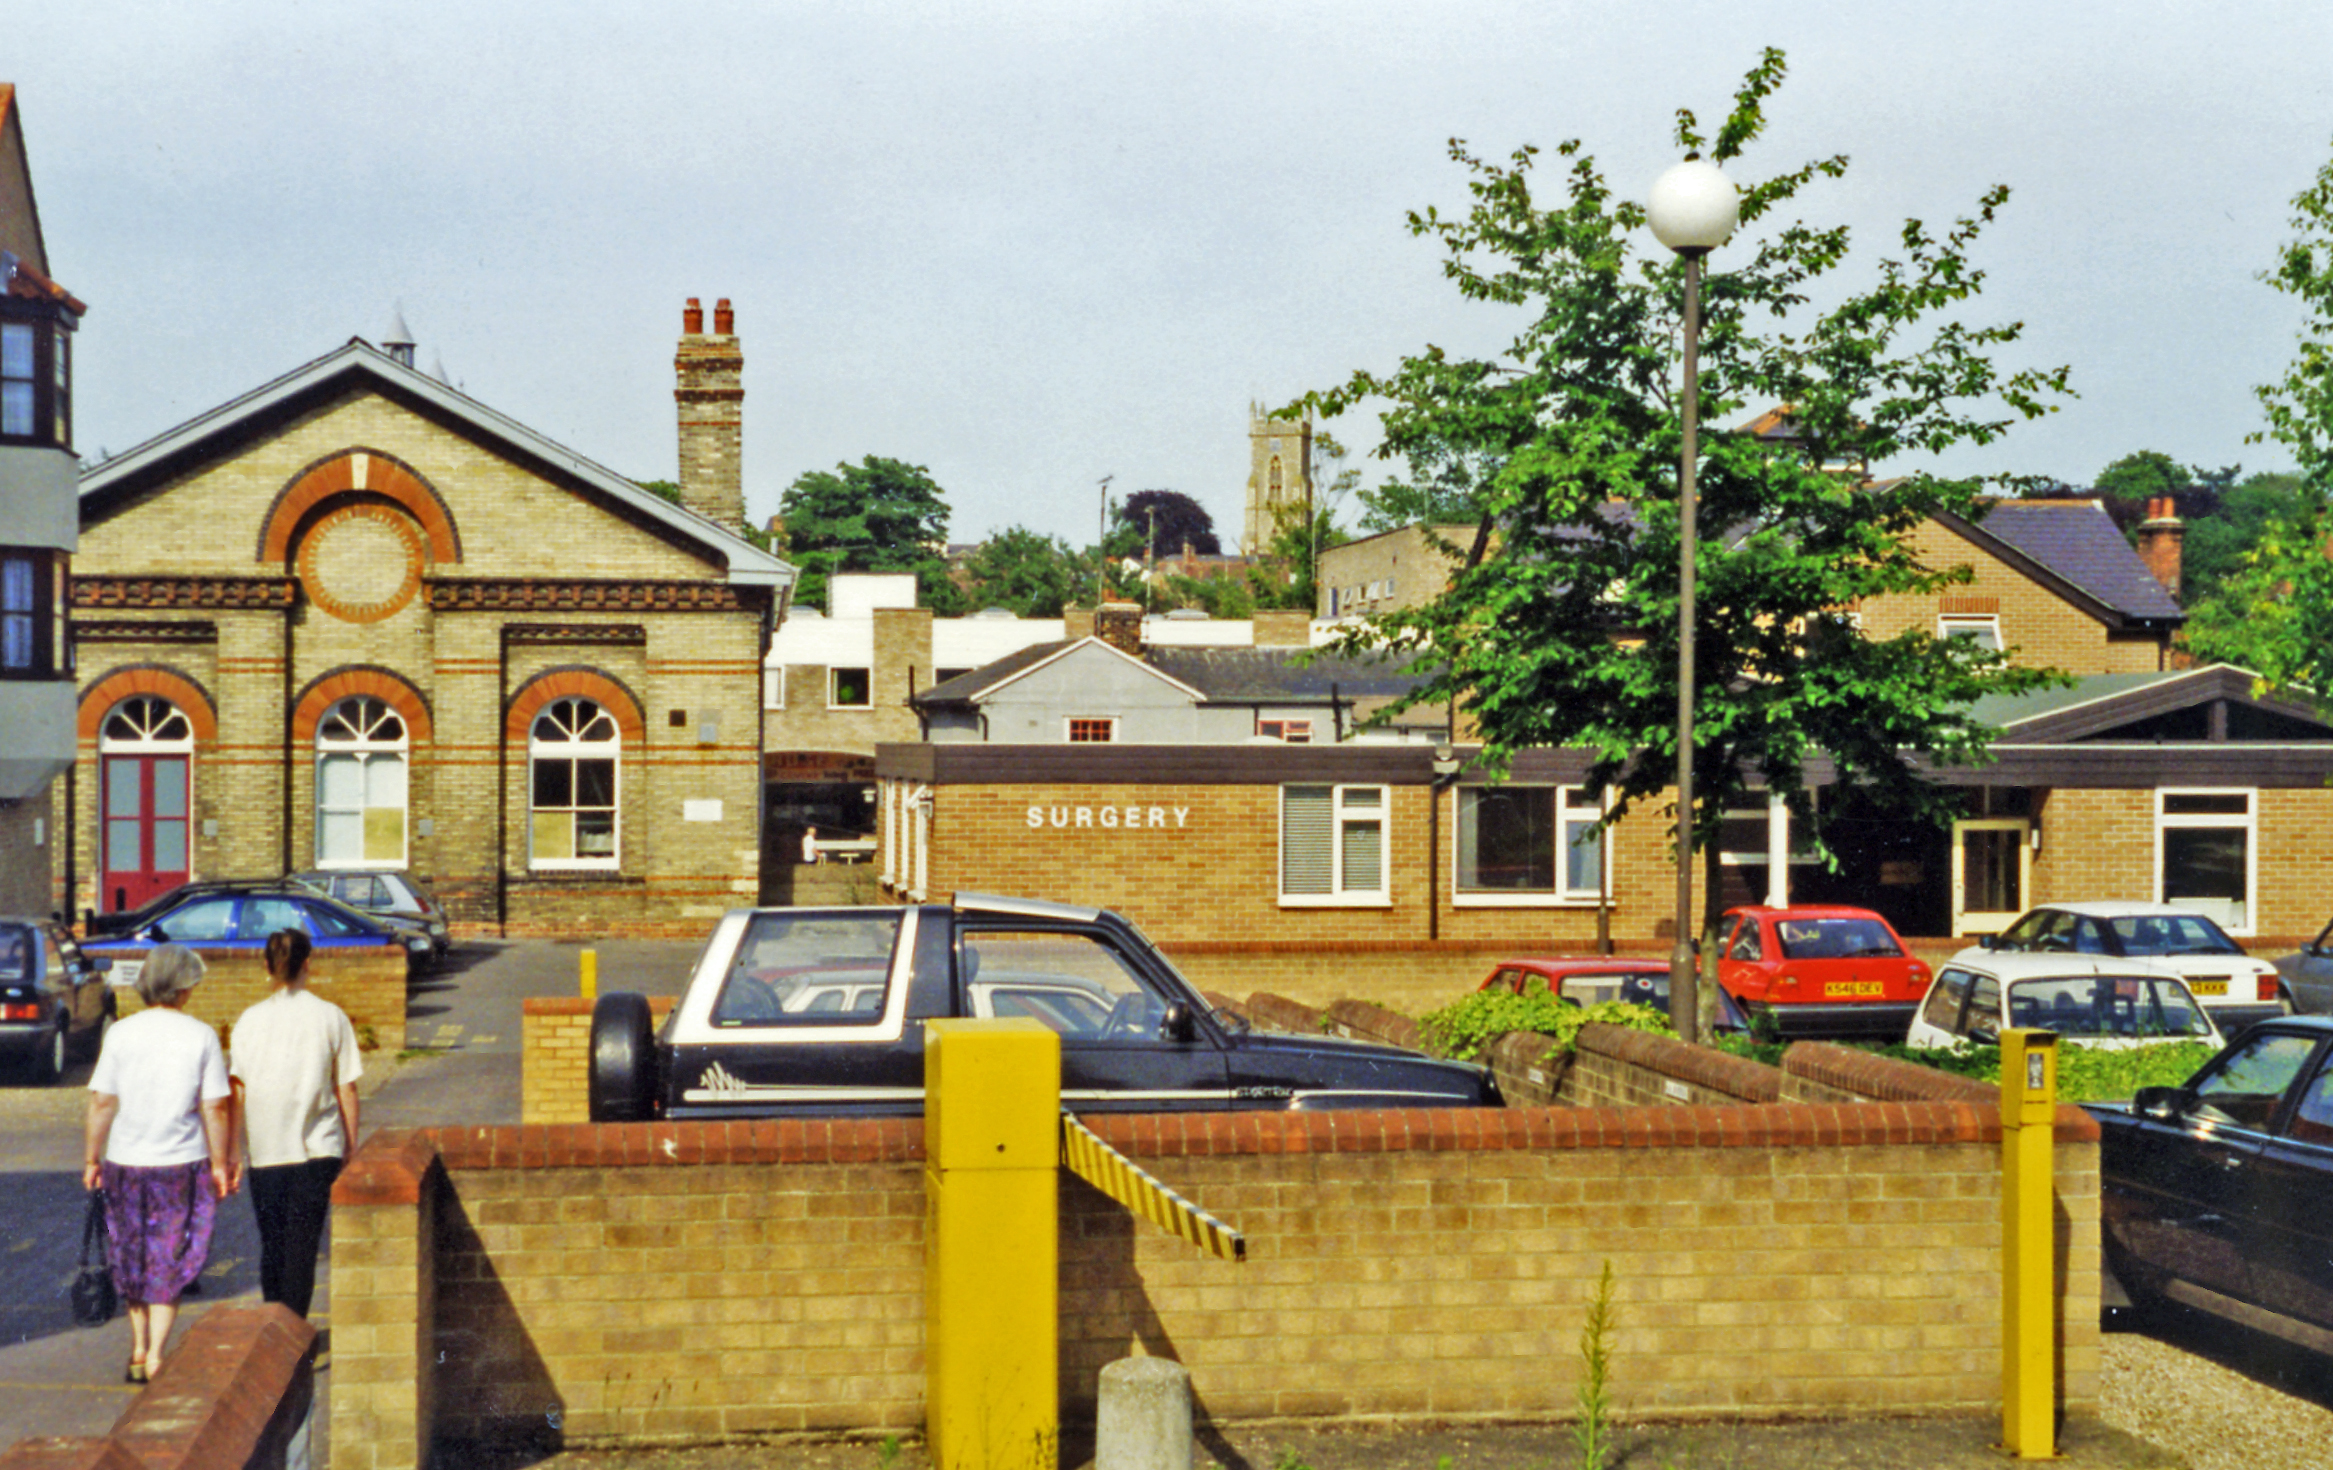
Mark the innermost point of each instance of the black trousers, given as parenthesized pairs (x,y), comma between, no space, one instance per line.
(291,1201)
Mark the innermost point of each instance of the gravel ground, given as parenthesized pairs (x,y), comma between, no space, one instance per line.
(2219,1396)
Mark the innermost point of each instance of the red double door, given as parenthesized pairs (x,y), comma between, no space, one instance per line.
(144,827)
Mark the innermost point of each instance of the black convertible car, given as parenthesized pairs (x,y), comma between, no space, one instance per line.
(2216,1193)
(822,1010)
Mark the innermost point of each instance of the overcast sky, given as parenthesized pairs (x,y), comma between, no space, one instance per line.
(1029,245)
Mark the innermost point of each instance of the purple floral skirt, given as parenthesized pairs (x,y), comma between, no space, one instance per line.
(157,1228)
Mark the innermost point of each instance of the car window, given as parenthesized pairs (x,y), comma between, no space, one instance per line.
(1074,983)
(1984,1009)
(2090,937)
(1746,942)
(205,918)
(1942,1009)
(2312,1120)
(1630,987)
(2159,934)
(2025,934)
(2244,1086)
(2135,1006)
(1834,939)
(16,952)
(809,969)
(362,890)
(264,916)
(1518,981)
(331,921)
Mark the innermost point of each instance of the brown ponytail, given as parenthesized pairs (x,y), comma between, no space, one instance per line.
(287,955)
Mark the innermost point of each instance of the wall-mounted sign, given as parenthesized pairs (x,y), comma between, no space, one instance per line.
(1108,816)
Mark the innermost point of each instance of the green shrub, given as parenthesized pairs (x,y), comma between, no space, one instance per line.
(1462,1028)
(1749,1048)
(2085,1073)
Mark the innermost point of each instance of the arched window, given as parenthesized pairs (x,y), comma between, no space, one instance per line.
(142,750)
(1273,493)
(360,785)
(571,758)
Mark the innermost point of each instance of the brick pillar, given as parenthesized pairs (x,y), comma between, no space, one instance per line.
(708,373)
(384,1303)
(903,668)
(2160,535)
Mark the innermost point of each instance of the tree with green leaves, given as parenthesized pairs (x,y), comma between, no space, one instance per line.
(2276,615)
(1560,627)
(1157,524)
(1028,572)
(2221,543)
(1443,489)
(879,515)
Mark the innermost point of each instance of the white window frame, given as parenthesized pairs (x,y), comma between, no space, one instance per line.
(612,748)
(2248,824)
(365,749)
(1342,812)
(1068,722)
(1283,734)
(1960,625)
(832,686)
(1562,895)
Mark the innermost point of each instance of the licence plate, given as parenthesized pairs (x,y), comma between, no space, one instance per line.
(2208,987)
(1854,990)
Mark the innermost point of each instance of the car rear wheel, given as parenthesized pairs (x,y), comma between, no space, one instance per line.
(47,1066)
(97,1033)
(623,1059)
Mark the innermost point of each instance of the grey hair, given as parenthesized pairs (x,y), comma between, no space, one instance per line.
(170,972)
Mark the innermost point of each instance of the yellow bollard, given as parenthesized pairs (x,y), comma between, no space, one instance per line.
(2029,1105)
(992,1152)
(590,985)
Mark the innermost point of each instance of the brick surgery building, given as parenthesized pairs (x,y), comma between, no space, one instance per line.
(355,619)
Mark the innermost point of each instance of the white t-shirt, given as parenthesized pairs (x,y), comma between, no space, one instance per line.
(292,1053)
(163,1064)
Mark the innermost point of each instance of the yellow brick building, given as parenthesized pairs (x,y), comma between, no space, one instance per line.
(356,619)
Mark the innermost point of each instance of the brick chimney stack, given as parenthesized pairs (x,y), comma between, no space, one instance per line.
(708,390)
(2160,536)
(1119,624)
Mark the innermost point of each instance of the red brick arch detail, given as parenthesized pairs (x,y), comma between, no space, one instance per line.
(308,710)
(386,476)
(98,700)
(560,683)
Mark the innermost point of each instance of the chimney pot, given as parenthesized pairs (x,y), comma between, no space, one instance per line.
(2160,537)
(692,318)
(724,320)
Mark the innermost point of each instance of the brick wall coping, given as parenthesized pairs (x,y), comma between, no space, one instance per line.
(59,1453)
(1282,1014)
(1376,1023)
(1753,1082)
(218,1395)
(390,1166)
(1884,1078)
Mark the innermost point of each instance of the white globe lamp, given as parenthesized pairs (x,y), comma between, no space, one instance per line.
(1693,207)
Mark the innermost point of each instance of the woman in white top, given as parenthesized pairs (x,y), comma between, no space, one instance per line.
(156,1141)
(294,1068)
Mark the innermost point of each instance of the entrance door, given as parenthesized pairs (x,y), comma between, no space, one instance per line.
(1991,872)
(144,823)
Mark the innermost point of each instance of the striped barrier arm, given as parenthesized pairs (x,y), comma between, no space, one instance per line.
(1084,1154)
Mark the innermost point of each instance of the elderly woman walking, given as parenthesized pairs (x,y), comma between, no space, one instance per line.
(294,1070)
(157,1140)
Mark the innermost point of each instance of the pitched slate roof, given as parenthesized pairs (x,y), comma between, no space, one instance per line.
(2074,546)
(2103,704)
(1217,675)
(962,688)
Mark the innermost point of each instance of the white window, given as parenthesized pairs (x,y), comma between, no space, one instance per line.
(1293,732)
(2205,856)
(572,757)
(1982,629)
(849,689)
(360,786)
(1333,846)
(1092,730)
(773,687)
(1528,845)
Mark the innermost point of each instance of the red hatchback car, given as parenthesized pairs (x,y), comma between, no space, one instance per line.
(1822,971)
(1585,981)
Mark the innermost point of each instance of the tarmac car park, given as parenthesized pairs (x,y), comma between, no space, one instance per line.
(821,1011)
(2214,1193)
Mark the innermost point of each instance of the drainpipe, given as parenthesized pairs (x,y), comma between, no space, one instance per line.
(72,833)
(291,610)
(502,787)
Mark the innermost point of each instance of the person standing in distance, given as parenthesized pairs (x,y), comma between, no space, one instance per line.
(293,1059)
(158,1139)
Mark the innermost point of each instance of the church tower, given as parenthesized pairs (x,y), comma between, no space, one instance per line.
(1279,478)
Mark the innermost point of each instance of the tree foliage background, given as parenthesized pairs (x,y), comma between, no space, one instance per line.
(879,515)
(1563,633)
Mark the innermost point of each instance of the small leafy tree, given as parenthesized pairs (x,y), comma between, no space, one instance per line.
(1560,628)
(1159,523)
(1032,574)
(879,515)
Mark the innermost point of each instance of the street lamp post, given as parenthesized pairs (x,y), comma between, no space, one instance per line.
(1692,210)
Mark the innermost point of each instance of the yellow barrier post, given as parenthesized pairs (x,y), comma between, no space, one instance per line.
(590,980)
(2029,1105)
(992,1148)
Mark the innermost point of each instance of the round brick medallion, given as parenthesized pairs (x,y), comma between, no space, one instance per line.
(362,563)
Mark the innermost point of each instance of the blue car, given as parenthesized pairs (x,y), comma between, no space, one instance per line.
(242,919)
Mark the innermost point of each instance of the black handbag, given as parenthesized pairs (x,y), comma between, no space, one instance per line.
(94,1299)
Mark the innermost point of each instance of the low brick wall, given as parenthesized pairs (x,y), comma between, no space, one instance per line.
(1528,1077)
(555,1057)
(1614,1066)
(1408,976)
(1360,1020)
(588,1285)
(1279,1013)
(367,982)
(1817,1071)
(232,1394)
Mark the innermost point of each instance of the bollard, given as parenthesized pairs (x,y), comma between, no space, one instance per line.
(1144,1418)
(992,1156)
(589,960)
(2029,1105)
